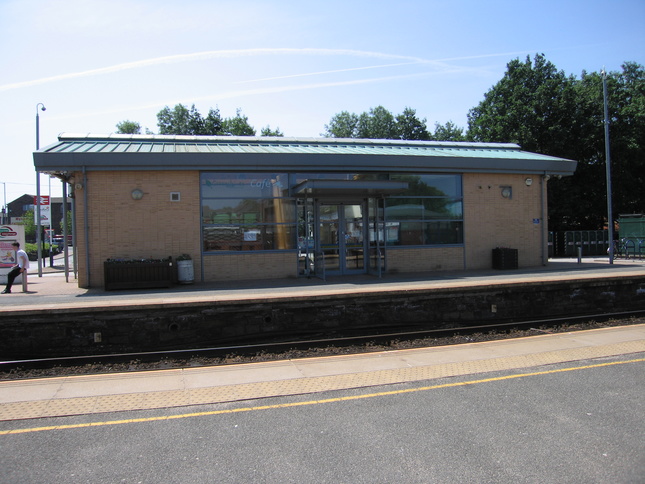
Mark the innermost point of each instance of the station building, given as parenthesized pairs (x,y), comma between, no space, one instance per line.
(248,208)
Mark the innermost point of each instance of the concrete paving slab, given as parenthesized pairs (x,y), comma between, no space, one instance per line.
(240,374)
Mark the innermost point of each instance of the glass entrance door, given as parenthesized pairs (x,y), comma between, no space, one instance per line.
(341,228)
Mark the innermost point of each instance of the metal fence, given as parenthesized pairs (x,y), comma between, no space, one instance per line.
(593,242)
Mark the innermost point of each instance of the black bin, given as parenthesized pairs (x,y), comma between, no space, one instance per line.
(504,258)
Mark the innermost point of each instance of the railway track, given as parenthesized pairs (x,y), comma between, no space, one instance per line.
(305,347)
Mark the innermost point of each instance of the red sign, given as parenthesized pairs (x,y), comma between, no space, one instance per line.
(44,200)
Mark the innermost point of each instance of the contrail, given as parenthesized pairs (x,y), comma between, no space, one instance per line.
(302,87)
(334,71)
(244,92)
(214,54)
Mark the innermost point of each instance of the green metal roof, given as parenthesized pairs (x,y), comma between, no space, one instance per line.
(155,152)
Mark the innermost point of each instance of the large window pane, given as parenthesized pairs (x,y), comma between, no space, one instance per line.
(423,209)
(424,233)
(431,185)
(241,211)
(244,185)
(249,237)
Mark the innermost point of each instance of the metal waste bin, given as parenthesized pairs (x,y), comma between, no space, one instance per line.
(504,258)
(185,272)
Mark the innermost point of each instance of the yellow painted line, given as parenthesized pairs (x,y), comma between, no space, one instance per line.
(310,402)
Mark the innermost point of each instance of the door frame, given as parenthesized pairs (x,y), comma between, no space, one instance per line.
(344,268)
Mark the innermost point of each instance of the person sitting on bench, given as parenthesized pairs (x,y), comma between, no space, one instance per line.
(20,268)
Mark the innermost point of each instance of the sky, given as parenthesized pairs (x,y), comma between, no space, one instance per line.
(286,64)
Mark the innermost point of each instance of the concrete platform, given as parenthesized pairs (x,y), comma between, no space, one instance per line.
(52,292)
(197,386)
(83,395)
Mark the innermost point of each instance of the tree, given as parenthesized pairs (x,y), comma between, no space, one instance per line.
(238,126)
(66,220)
(545,111)
(29,223)
(176,120)
(128,127)
(378,123)
(448,132)
(267,131)
(530,105)
(213,123)
(182,120)
(409,126)
(342,125)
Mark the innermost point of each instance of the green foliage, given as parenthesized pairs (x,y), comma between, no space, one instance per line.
(32,249)
(128,127)
(213,122)
(448,132)
(409,126)
(379,123)
(545,111)
(29,223)
(238,126)
(181,120)
(342,125)
(69,223)
(267,131)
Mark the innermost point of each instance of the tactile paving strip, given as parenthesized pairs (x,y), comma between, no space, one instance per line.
(230,393)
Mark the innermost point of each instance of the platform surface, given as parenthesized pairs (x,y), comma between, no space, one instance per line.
(204,385)
(56,292)
(93,394)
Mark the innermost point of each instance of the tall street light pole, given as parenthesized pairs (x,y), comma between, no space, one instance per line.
(38,226)
(610,216)
(5,210)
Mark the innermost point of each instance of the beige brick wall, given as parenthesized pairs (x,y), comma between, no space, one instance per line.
(250,266)
(493,221)
(425,259)
(120,227)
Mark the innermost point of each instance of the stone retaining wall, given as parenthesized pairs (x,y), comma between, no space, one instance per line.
(39,334)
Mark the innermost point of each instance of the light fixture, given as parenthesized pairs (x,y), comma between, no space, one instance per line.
(529,182)
(42,107)
(137,194)
(507,192)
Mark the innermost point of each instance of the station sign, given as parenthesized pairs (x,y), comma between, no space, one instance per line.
(45,211)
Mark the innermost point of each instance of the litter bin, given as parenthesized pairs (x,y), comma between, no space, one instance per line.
(504,258)
(185,272)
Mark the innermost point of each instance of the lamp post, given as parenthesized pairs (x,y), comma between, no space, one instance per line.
(610,216)
(38,238)
(4,207)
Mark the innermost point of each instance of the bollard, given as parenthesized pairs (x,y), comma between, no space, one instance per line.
(579,255)
(24,281)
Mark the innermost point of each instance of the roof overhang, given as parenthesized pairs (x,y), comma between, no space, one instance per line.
(73,153)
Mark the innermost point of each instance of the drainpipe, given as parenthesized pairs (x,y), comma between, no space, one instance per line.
(74,232)
(543,216)
(86,228)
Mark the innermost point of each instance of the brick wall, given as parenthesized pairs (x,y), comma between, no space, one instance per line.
(425,259)
(250,266)
(120,227)
(491,220)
